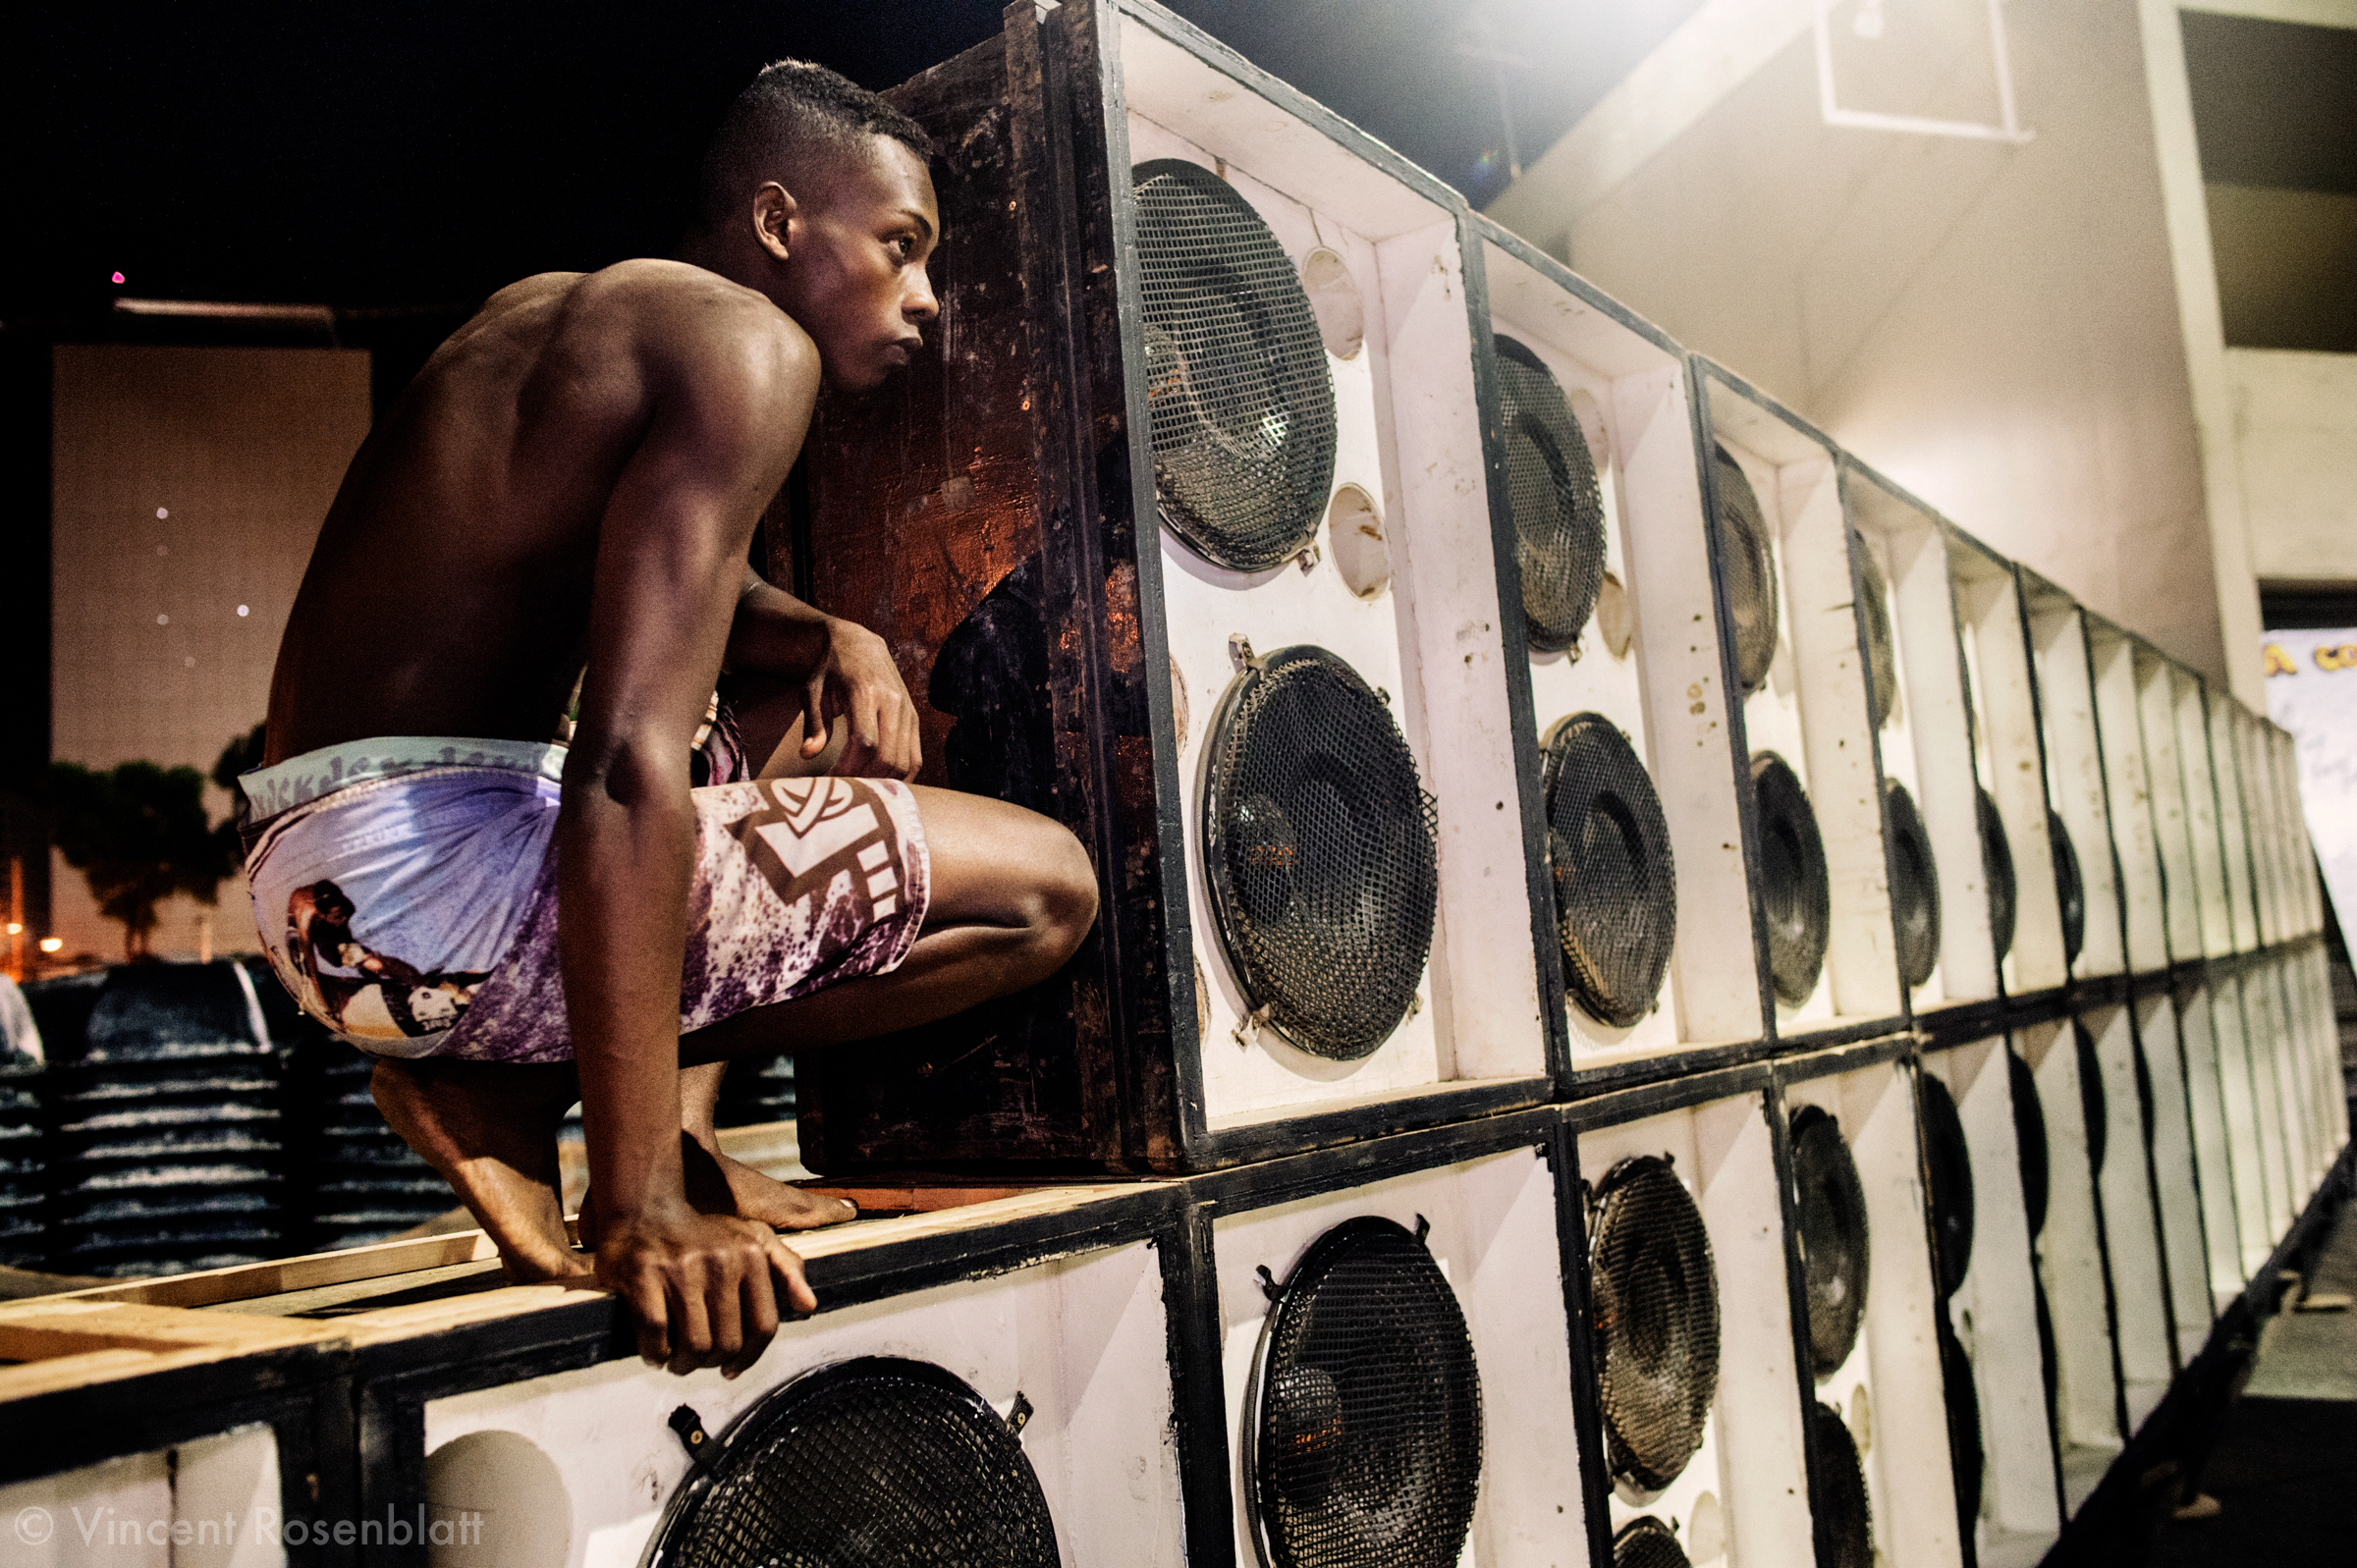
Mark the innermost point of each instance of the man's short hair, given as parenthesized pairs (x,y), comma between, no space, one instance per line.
(795,115)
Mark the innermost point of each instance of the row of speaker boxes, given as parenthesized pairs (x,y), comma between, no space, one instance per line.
(1467,697)
(1710,1320)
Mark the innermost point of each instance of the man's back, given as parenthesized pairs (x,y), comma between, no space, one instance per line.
(449,593)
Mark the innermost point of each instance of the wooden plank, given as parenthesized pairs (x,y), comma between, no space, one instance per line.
(42,1329)
(307,1271)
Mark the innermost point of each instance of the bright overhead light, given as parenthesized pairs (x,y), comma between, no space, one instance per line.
(52,943)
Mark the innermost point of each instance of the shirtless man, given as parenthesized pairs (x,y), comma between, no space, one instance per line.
(573,480)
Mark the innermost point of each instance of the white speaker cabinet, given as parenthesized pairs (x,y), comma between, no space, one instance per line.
(1486,1198)
(2132,1249)
(2213,893)
(1742,1499)
(2269,879)
(2007,753)
(1994,1314)
(2128,795)
(2172,813)
(2233,820)
(2063,661)
(1891,1386)
(2089,1412)
(2207,1108)
(1649,660)
(2181,1179)
(1810,708)
(1926,739)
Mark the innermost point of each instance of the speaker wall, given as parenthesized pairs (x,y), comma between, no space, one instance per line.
(2108,1081)
(1925,736)
(2207,885)
(1811,704)
(1397,1384)
(2268,873)
(1646,659)
(2129,797)
(1741,1498)
(2181,1178)
(2081,825)
(2255,1204)
(2233,829)
(1209,497)
(2221,1222)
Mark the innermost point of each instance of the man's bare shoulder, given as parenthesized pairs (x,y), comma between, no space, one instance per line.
(682,316)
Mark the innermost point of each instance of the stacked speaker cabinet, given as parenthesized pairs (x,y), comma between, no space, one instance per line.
(2117,1093)
(1597,485)
(1983,1227)
(2129,798)
(2218,711)
(1690,1339)
(2010,762)
(1867,1307)
(1388,1349)
(2225,1215)
(2270,878)
(2182,1172)
(1186,539)
(1940,876)
(987,1382)
(2080,831)
(1790,628)
(2052,1098)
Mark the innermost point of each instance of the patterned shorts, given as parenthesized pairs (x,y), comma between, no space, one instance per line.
(414,910)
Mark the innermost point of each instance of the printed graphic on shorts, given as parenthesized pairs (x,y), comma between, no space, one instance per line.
(818,832)
(357,991)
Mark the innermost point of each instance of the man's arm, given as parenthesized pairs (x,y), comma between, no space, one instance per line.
(730,393)
(845,671)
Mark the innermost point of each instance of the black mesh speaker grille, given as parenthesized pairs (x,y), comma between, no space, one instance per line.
(875,1463)
(1655,1306)
(2071,892)
(1747,564)
(1607,849)
(1796,890)
(1914,885)
(1558,504)
(1236,379)
(1996,851)
(1840,1520)
(1968,1459)
(1874,627)
(2029,1139)
(2144,1091)
(1833,1257)
(1647,1543)
(1320,849)
(2090,1097)
(1364,1435)
(1948,1160)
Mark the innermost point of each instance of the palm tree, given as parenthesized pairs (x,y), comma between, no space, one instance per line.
(138,834)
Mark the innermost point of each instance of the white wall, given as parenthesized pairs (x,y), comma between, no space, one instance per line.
(2295,422)
(1995,325)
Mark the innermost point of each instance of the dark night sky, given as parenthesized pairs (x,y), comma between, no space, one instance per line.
(426,153)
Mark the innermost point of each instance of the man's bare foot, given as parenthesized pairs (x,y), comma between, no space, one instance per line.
(490,1131)
(719,1185)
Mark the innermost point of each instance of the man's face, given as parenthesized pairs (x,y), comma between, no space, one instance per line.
(856,279)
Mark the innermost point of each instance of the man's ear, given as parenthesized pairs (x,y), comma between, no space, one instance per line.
(774,208)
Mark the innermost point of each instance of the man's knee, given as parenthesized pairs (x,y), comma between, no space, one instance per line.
(1064,892)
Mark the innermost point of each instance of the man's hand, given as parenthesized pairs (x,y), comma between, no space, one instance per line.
(705,1287)
(859,681)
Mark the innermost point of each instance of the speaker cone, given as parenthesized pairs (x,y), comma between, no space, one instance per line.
(1948,1159)
(1747,562)
(878,1462)
(2090,1097)
(1794,888)
(1840,1520)
(1833,1254)
(1968,1459)
(1364,1435)
(1914,885)
(1320,852)
(1647,1543)
(2029,1139)
(1607,850)
(1874,626)
(1558,504)
(2071,890)
(1236,378)
(1656,1313)
(1997,853)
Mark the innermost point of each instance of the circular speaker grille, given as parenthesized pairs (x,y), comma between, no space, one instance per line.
(1794,889)
(1558,504)
(2029,1139)
(1747,564)
(2144,1089)
(1647,1543)
(1967,1457)
(1319,847)
(1840,1519)
(1656,1313)
(1997,853)
(1364,1433)
(2071,892)
(874,1463)
(1236,379)
(1832,1236)
(1874,621)
(1949,1159)
(1608,848)
(1914,885)
(2090,1097)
